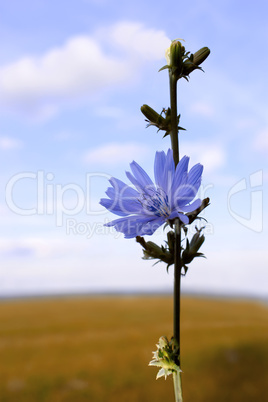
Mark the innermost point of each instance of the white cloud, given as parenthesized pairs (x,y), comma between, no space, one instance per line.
(115,153)
(147,44)
(212,156)
(7,143)
(78,68)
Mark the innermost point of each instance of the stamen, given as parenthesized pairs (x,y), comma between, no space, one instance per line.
(156,203)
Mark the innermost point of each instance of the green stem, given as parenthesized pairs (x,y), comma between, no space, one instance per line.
(177,284)
(177,246)
(177,386)
(174,118)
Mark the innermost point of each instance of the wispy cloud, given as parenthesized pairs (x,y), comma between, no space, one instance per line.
(137,41)
(115,153)
(212,156)
(79,68)
(7,143)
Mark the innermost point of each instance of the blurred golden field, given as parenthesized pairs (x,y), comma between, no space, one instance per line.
(98,348)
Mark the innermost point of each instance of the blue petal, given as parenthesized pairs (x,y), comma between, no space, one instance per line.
(181,169)
(192,207)
(195,173)
(123,199)
(141,176)
(186,194)
(125,193)
(176,214)
(122,188)
(122,206)
(188,191)
(159,166)
(137,225)
(170,159)
(184,218)
(111,206)
(150,227)
(111,193)
(135,182)
(168,173)
(180,178)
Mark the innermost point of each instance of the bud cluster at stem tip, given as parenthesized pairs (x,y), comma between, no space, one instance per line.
(181,63)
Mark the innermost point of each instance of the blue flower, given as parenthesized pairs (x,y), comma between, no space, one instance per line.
(146,207)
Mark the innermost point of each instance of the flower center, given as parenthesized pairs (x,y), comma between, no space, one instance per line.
(156,202)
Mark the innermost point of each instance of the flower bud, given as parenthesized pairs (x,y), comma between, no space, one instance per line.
(194,61)
(196,242)
(170,241)
(181,63)
(152,116)
(156,119)
(201,55)
(152,251)
(175,55)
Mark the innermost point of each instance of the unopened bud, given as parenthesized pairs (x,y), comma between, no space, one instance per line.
(155,252)
(176,53)
(201,55)
(194,61)
(156,119)
(151,115)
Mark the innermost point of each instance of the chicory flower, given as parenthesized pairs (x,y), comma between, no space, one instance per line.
(146,207)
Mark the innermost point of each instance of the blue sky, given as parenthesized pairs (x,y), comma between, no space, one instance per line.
(73,76)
